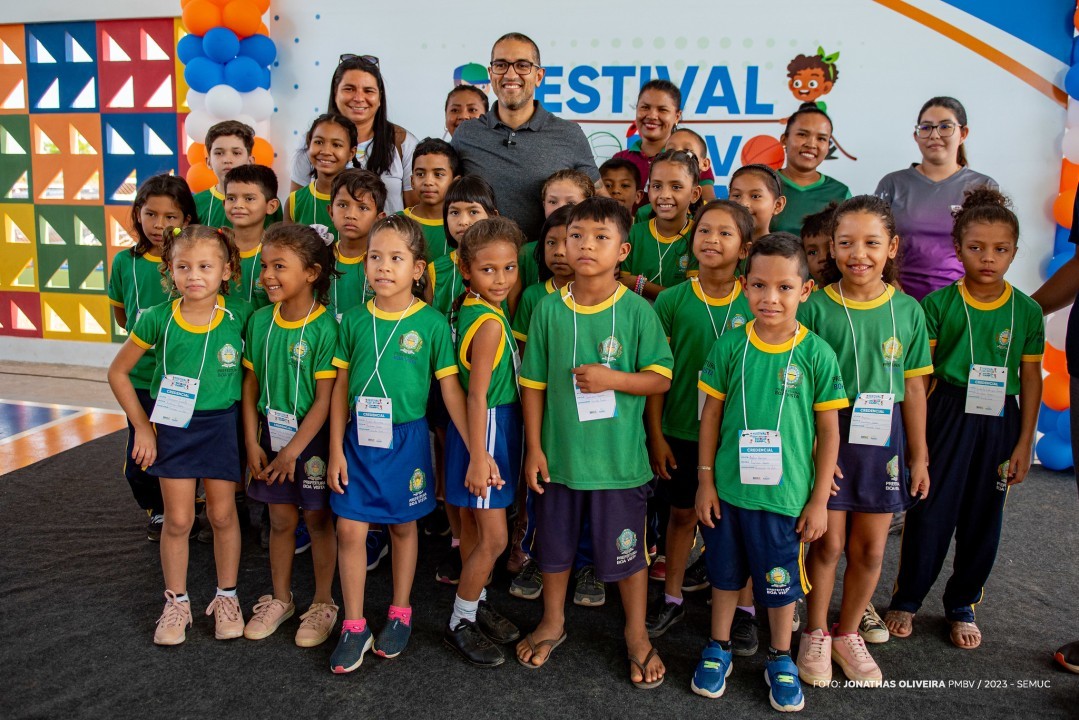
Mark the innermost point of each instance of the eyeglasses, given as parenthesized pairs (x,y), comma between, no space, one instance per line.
(944,129)
(521,67)
(369,59)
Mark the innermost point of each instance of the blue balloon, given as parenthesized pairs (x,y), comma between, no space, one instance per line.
(188,48)
(1064,425)
(220,44)
(1062,240)
(259,48)
(1075,51)
(1054,452)
(243,74)
(202,73)
(1058,260)
(264,81)
(1071,81)
(1048,419)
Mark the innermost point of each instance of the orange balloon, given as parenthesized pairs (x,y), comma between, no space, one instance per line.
(262,5)
(196,154)
(263,30)
(221,3)
(1069,176)
(1054,361)
(263,152)
(200,16)
(1063,207)
(200,177)
(1055,391)
(242,17)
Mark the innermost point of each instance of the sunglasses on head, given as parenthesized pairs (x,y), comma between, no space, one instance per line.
(369,59)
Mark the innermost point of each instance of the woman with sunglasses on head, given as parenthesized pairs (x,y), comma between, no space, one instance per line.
(358,92)
(924,196)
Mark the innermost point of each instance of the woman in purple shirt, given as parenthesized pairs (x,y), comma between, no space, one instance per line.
(924,195)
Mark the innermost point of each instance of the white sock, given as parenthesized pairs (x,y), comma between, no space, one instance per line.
(463,610)
(183,598)
(227,593)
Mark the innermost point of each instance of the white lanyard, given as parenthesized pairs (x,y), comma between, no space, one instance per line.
(251,280)
(569,294)
(783,397)
(380,353)
(663,253)
(266,357)
(314,204)
(854,336)
(970,330)
(205,345)
(708,308)
(135,281)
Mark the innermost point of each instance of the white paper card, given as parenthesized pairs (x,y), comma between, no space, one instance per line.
(871,419)
(594,406)
(987,388)
(760,457)
(175,401)
(283,427)
(374,422)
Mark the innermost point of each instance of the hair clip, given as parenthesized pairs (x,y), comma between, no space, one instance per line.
(323,232)
(176,231)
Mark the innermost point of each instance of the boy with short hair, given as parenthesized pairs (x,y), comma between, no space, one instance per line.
(228,145)
(358,198)
(435,165)
(760,498)
(622,179)
(250,198)
(595,351)
(817,241)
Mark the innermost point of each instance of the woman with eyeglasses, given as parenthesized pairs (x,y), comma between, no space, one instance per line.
(924,196)
(358,92)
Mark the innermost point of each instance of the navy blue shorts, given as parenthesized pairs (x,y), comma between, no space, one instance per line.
(308,489)
(681,490)
(758,544)
(875,477)
(504,445)
(389,487)
(617,520)
(206,449)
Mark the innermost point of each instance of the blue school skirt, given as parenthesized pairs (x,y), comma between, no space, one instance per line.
(875,478)
(392,486)
(504,445)
(207,448)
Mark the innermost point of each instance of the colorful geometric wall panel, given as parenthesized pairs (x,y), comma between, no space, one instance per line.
(18,251)
(12,69)
(70,250)
(62,69)
(15,160)
(137,146)
(75,317)
(118,233)
(67,158)
(136,65)
(20,314)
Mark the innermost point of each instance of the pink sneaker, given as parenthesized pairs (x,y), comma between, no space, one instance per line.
(316,624)
(850,652)
(267,616)
(228,618)
(174,620)
(815,658)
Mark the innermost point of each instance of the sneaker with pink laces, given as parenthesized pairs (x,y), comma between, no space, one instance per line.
(316,624)
(267,616)
(174,620)
(851,654)
(228,618)
(815,658)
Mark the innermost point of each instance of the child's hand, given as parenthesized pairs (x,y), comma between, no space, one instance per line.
(661,457)
(536,471)
(813,522)
(144,449)
(1019,464)
(593,378)
(838,475)
(282,468)
(337,472)
(256,460)
(919,480)
(707,503)
(496,480)
(478,478)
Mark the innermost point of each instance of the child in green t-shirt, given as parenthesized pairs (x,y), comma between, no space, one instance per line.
(758,497)
(435,165)
(250,198)
(358,199)
(595,351)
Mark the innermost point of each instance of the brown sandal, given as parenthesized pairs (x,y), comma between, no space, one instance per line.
(960,628)
(534,646)
(900,619)
(641,684)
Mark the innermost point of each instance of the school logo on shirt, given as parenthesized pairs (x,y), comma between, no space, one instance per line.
(1004,339)
(410,343)
(683,264)
(737,320)
(228,356)
(610,349)
(417,482)
(791,377)
(299,351)
(258,283)
(626,541)
(892,349)
(315,469)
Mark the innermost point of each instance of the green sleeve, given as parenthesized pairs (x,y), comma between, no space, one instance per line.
(829,393)
(715,374)
(116,279)
(665,308)
(653,350)
(534,368)
(931,309)
(148,327)
(342,356)
(442,359)
(918,355)
(1034,337)
(327,345)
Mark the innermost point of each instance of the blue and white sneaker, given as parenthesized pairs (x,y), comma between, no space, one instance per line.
(348,655)
(303,538)
(393,639)
(785,693)
(710,677)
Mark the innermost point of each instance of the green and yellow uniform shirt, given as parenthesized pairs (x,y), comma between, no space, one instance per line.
(249,287)
(446,282)
(807,200)
(351,288)
(135,285)
(474,313)
(813,383)
(527,304)
(527,269)
(308,206)
(290,357)
(417,349)
(210,205)
(434,234)
(666,261)
(603,454)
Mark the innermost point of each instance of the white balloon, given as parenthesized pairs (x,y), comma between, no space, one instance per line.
(223,102)
(245,119)
(1056,328)
(1070,145)
(197,124)
(262,129)
(258,104)
(1073,114)
(196,100)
